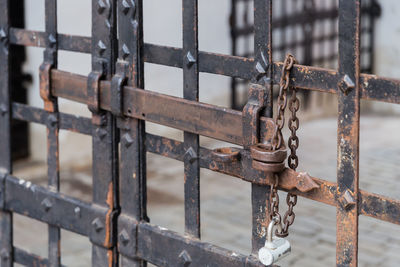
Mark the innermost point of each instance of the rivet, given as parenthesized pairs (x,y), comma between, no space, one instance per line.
(190,155)
(3,109)
(52,119)
(101,6)
(102,47)
(125,6)
(347,200)
(190,60)
(5,255)
(346,84)
(101,133)
(3,35)
(125,51)
(124,237)
(46,203)
(77,212)
(185,258)
(97,225)
(128,140)
(52,39)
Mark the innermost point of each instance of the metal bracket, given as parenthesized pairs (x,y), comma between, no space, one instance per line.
(117,86)
(93,85)
(251,114)
(45,86)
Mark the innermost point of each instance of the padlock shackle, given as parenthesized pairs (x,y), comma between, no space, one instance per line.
(270,229)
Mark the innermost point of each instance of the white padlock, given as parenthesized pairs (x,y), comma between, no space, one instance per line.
(275,248)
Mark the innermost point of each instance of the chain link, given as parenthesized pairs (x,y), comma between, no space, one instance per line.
(293,143)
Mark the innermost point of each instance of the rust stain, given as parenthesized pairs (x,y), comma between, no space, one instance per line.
(110,258)
(110,203)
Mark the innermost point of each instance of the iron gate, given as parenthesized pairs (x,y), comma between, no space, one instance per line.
(115,221)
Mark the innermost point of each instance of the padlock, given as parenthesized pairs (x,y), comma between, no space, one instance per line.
(275,248)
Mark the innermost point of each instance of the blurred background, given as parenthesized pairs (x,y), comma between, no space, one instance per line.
(306,28)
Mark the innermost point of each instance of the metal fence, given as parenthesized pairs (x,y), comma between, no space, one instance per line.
(115,221)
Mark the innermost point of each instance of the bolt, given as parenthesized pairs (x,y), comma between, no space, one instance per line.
(346,84)
(97,225)
(77,212)
(102,47)
(46,203)
(190,155)
(347,200)
(125,51)
(124,237)
(128,140)
(185,258)
(101,6)
(190,60)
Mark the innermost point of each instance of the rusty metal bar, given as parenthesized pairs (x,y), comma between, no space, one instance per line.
(304,77)
(372,205)
(191,140)
(132,192)
(6,222)
(263,61)
(105,145)
(67,122)
(348,133)
(51,105)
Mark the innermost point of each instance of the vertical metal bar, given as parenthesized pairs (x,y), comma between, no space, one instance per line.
(263,56)
(233,25)
(105,145)
(348,133)
(191,92)
(132,192)
(6,237)
(51,105)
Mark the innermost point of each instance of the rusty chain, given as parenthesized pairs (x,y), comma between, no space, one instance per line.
(293,143)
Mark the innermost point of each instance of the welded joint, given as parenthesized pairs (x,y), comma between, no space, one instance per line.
(117,86)
(346,84)
(93,85)
(347,200)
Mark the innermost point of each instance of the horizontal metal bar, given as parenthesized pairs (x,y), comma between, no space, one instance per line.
(372,205)
(38,39)
(163,247)
(50,207)
(68,122)
(28,259)
(186,115)
(303,77)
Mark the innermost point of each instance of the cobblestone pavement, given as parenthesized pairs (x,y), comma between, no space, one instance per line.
(225,201)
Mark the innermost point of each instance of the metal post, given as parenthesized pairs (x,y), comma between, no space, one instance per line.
(348,133)
(191,92)
(6,237)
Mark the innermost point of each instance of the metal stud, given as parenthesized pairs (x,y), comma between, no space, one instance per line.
(128,140)
(347,200)
(3,35)
(101,6)
(125,6)
(52,119)
(46,203)
(77,212)
(52,39)
(101,133)
(125,51)
(185,258)
(124,237)
(97,225)
(3,109)
(190,60)
(346,84)
(102,47)
(190,155)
